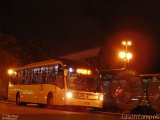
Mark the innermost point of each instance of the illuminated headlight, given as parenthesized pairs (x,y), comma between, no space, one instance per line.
(101,97)
(97,97)
(69,95)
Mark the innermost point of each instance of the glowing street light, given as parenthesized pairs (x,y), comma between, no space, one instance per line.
(129,56)
(10,71)
(128,43)
(122,54)
(126,56)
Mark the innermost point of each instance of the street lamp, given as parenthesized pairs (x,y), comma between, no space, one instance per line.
(126,44)
(126,56)
(122,54)
(10,71)
(129,56)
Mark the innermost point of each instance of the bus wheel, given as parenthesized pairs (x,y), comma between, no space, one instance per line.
(18,99)
(50,100)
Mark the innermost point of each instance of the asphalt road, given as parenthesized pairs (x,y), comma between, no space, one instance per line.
(10,111)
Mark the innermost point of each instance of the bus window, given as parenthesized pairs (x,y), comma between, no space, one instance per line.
(83,82)
(28,77)
(44,71)
(60,77)
(18,76)
(52,72)
(35,78)
(36,71)
(22,77)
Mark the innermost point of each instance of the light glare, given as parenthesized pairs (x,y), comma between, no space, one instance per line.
(129,56)
(69,95)
(122,55)
(10,71)
(101,98)
(129,43)
(70,69)
(124,43)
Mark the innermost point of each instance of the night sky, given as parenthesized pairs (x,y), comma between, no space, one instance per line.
(65,26)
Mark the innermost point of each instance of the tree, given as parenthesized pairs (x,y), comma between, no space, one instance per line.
(10,51)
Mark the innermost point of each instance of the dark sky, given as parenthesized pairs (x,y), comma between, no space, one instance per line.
(73,25)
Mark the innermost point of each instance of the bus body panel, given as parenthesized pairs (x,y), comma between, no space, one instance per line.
(34,82)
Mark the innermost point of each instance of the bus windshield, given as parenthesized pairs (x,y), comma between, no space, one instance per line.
(84,82)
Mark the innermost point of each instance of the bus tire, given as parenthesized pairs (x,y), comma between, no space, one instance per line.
(50,100)
(18,99)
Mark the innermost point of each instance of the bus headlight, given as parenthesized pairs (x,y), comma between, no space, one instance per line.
(69,95)
(101,98)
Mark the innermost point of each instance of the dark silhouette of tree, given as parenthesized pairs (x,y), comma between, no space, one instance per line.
(36,50)
(14,53)
(9,56)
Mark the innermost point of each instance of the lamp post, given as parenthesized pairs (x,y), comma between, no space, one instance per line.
(126,44)
(126,56)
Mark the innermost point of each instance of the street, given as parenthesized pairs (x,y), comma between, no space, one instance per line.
(10,110)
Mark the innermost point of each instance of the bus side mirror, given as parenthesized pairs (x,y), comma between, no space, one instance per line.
(65,72)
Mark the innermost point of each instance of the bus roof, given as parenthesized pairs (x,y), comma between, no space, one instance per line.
(57,61)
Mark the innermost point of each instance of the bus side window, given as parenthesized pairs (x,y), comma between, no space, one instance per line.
(44,71)
(18,76)
(60,76)
(35,78)
(51,77)
(28,76)
(22,77)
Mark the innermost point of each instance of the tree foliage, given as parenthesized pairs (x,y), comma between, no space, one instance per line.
(10,51)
